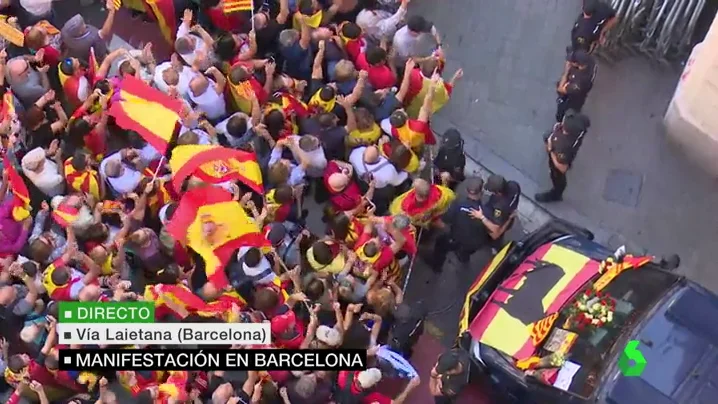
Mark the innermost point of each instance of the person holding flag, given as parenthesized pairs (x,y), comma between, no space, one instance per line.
(442,90)
(78,79)
(424,203)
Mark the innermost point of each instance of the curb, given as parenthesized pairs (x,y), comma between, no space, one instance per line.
(531,214)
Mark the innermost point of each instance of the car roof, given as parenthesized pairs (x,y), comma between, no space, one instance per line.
(524,302)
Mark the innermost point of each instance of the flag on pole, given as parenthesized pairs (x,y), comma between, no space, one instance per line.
(214,165)
(233,6)
(21,204)
(147,111)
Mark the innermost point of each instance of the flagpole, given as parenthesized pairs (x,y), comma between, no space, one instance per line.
(252,2)
(157,170)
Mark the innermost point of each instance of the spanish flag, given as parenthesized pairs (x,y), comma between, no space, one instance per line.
(413,165)
(162,195)
(8,106)
(314,20)
(163,12)
(442,93)
(318,105)
(174,389)
(214,165)
(241,95)
(414,134)
(233,6)
(422,213)
(181,295)
(65,214)
(21,204)
(87,181)
(289,104)
(147,111)
(54,291)
(214,225)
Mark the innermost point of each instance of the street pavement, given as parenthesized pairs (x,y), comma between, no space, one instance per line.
(629,184)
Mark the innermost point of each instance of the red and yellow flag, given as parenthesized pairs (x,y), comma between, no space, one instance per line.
(8,106)
(181,295)
(21,204)
(162,195)
(233,6)
(241,95)
(94,67)
(87,181)
(164,13)
(65,214)
(214,225)
(147,111)
(214,165)
(422,213)
(313,20)
(414,133)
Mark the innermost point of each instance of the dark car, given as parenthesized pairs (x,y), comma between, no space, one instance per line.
(526,305)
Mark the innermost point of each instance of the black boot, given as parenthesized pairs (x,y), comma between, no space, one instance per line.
(548,196)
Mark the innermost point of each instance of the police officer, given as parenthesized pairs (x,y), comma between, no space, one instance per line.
(575,83)
(562,144)
(592,25)
(463,234)
(499,208)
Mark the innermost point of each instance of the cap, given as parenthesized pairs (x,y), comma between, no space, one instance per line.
(495,183)
(474,186)
(575,122)
(328,335)
(276,233)
(590,6)
(369,378)
(447,361)
(418,23)
(580,57)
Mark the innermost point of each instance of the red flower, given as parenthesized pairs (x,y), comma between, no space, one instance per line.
(580,326)
(598,293)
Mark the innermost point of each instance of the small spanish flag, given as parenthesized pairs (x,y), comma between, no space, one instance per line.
(214,225)
(233,6)
(147,111)
(214,165)
(86,181)
(422,213)
(65,214)
(94,67)
(8,106)
(21,204)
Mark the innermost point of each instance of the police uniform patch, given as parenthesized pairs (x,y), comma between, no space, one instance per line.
(581,40)
(497,213)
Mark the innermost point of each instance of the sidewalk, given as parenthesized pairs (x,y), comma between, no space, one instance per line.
(628,184)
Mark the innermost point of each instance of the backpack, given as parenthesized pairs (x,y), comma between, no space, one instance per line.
(451,157)
(407,328)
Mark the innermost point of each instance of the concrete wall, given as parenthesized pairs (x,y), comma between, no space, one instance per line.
(691,120)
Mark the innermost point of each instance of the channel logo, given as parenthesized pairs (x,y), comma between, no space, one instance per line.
(632,362)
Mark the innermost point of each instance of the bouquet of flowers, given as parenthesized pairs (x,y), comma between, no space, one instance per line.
(592,309)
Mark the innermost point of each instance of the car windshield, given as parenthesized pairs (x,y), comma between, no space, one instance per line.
(635,292)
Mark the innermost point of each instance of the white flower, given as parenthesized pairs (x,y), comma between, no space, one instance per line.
(582,307)
(596,307)
(609,316)
(604,319)
(594,321)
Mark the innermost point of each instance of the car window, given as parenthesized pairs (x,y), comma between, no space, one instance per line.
(635,293)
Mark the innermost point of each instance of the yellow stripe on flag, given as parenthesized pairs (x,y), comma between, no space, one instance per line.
(152,115)
(231,6)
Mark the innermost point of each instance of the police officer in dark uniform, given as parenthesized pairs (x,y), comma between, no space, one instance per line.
(575,83)
(464,235)
(562,144)
(592,25)
(500,206)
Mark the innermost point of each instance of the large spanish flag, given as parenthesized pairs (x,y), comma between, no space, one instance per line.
(205,207)
(21,204)
(86,181)
(422,213)
(164,13)
(147,111)
(214,165)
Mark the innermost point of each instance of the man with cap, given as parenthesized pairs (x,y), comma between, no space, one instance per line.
(463,234)
(355,386)
(285,246)
(562,144)
(592,25)
(499,209)
(575,83)
(449,376)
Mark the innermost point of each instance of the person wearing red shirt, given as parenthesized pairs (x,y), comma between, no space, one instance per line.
(374,61)
(354,385)
(377,248)
(352,40)
(345,195)
(232,22)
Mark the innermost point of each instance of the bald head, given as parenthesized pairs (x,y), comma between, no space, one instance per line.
(371,155)
(16,67)
(338,181)
(198,85)
(113,168)
(422,188)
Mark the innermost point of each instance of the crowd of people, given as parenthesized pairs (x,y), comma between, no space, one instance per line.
(331,101)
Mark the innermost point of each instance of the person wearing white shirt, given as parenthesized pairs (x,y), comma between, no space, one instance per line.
(314,153)
(235,129)
(255,265)
(122,177)
(193,47)
(208,94)
(370,166)
(285,171)
(173,74)
(378,25)
(407,39)
(43,172)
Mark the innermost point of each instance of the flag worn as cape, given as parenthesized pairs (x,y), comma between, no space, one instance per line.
(411,167)
(87,181)
(318,105)
(290,105)
(414,133)
(233,6)
(21,203)
(164,13)
(214,165)
(441,97)
(214,225)
(314,20)
(423,213)
(147,111)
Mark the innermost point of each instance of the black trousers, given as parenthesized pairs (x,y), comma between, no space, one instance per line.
(564,103)
(446,243)
(558,178)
